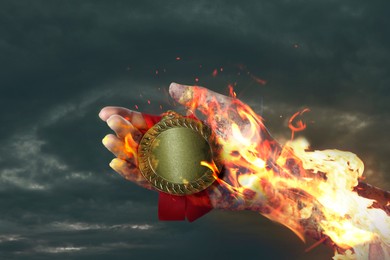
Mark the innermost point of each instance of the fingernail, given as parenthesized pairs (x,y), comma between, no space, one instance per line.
(116,164)
(112,164)
(106,140)
(176,90)
(111,121)
(180,93)
(103,115)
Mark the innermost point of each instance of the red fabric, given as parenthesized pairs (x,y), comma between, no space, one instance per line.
(172,207)
(151,120)
(198,204)
(192,207)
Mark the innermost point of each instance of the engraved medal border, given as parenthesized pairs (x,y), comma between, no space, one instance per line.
(174,120)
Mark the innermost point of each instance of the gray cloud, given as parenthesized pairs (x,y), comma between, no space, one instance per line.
(62,61)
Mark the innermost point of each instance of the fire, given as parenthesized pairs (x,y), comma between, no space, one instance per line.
(298,185)
(348,219)
(299,125)
(292,185)
(131,147)
(232,93)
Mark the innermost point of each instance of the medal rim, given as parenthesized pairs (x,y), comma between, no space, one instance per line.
(174,120)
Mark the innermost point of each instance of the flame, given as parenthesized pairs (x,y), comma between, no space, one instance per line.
(232,93)
(299,125)
(131,147)
(293,184)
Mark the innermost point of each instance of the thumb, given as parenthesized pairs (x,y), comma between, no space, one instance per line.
(222,112)
(195,97)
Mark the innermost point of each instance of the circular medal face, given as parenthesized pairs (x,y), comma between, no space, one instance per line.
(171,152)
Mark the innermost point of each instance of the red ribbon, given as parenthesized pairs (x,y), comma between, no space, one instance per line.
(172,207)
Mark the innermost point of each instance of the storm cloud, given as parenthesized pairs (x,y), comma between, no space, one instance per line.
(62,61)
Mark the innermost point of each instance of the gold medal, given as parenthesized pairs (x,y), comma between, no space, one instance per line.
(170,155)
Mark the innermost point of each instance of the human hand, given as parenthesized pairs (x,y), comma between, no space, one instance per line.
(129,126)
(222,192)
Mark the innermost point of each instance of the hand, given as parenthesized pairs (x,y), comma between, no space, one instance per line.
(225,117)
(125,122)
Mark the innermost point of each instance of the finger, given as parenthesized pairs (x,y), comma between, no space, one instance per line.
(129,172)
(119,149)
(123,128)
(199,98)
(136,118)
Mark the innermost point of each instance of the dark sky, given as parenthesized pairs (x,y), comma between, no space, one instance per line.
(62,61)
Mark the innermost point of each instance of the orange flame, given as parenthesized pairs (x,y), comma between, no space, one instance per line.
(300,125)
(293,183)
(232,93)
(131,147)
